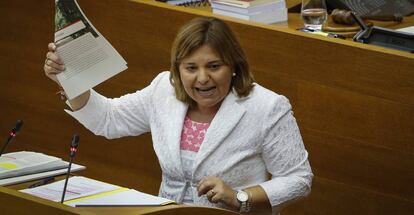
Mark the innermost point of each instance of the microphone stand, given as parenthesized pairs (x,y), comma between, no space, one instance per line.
(13,133)
(6,143)
(73,149)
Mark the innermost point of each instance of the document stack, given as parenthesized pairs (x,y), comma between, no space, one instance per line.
(264,11)
(187,3)
(17,167)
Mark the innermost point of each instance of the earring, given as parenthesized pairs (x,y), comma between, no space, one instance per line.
(234,74)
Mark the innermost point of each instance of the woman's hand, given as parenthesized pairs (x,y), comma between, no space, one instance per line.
(53,66)
(217,191)
(53,63)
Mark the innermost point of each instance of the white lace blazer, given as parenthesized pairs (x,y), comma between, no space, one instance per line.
(248,138)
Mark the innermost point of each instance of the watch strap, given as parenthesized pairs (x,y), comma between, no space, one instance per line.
(245,206)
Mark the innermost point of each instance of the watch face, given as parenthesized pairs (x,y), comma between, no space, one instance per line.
(242,196)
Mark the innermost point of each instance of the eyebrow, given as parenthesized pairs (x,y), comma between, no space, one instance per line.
(210,62)
(215,61)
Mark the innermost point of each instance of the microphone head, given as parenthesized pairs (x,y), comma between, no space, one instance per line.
(18,126)
(75,141)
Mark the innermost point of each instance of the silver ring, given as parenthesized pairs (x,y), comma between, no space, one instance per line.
(46,61)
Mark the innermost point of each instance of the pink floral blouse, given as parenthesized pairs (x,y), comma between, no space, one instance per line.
(192,137)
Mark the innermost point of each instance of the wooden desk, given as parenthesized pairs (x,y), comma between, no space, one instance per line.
(354,103)
(17,203)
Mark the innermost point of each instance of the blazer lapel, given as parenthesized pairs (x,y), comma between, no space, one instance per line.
(175,121)
(223,123)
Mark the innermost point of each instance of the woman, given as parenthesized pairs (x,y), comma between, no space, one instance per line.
(216,133)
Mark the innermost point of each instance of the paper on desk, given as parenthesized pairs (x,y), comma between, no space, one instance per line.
(77,187)
(25,163)
(35,176)
(119,197)
(407,30)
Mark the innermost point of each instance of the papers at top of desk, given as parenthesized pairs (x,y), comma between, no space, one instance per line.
(18,167)
(40,175)
(409,30)
(265,11)
(25,163)
(83,191)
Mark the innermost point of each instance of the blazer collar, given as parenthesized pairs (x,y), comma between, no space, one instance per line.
(229,114)
(175,126)
(225,120)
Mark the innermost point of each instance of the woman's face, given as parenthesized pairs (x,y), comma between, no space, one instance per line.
(205,77)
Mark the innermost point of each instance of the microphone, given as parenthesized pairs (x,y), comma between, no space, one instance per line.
(73,148)
(12,134)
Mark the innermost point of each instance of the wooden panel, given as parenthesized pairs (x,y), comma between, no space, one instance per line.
(350,162)
(16,203)
(331,197)
(379,122)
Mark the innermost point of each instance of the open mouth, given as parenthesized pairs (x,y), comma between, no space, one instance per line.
(206,91)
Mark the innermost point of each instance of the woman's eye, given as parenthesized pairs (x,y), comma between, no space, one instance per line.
(191,68)
(214,66)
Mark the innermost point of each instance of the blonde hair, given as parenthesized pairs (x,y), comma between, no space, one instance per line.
(217,34)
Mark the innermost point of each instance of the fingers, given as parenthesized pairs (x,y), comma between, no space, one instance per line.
(51,73)
(52,69)
(210,194)
(216,190)
(215,197)
(53,61)
(52,58)
(205,185)
(53,64)
(51,47)
(52,55)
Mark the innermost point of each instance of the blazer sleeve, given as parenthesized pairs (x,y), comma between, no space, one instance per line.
(128,115)
(285,157)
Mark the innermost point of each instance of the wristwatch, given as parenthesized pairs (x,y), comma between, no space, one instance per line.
(244,200)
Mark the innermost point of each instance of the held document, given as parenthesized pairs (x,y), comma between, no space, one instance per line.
(89,58)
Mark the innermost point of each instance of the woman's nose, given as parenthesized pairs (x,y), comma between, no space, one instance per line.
(203,76)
